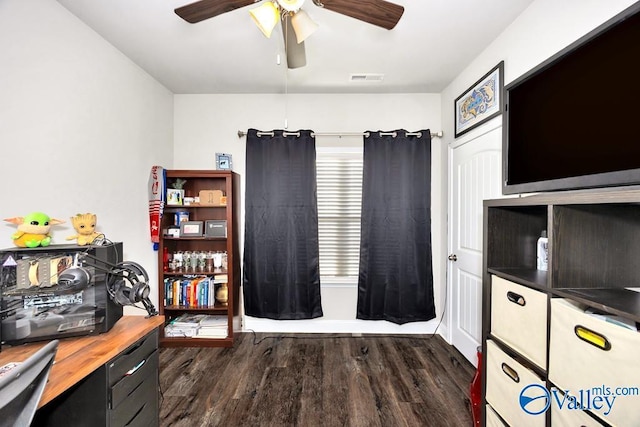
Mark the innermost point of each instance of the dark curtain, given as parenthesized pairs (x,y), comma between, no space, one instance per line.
(395,281)
(281,254)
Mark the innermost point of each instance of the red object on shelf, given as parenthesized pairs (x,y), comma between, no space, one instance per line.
(165,259)
(475,391)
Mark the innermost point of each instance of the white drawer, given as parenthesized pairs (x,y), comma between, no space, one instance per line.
(492,419)
(506,378)
(519,318)
(571,418)
(577,365)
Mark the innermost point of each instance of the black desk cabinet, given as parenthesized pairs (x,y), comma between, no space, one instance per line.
(123,392)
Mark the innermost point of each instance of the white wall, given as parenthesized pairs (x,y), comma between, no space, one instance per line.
(542,30)
(80,128)
(206,124)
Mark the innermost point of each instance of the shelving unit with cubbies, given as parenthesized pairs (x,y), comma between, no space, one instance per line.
(572,327)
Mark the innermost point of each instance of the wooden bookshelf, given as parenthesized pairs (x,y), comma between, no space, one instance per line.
(195,283)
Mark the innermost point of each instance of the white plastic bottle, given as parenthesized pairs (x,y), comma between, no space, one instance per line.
(543,251)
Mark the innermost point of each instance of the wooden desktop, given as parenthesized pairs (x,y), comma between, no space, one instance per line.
(87,357)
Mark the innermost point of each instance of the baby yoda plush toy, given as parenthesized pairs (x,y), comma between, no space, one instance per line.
(33,230)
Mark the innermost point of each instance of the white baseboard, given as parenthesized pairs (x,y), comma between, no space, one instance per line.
(337,326)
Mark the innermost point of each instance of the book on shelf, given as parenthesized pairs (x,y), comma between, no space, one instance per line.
(220,278)
(211,320)
(193,325)
(186,325)
(211,336)
(189,291)
(180,331)
(211,333)
(188,319)
(213,327)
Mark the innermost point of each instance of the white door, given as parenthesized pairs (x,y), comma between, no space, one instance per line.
(475,174)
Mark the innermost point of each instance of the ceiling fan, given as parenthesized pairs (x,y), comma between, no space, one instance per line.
(296,24)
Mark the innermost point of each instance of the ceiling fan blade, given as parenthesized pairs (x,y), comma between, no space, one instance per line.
(377,12)
(205,9)
(296,56)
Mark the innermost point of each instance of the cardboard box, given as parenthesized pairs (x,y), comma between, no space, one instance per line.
(212,198)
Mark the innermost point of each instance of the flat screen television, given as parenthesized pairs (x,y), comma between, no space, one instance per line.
(573,122)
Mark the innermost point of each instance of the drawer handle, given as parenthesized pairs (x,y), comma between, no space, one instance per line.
(516,298)
(510,372)
(593,338)
(134,420)
(133,348)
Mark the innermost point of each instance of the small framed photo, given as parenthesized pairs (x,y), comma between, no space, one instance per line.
(175,197)
(191,229)
(223,161)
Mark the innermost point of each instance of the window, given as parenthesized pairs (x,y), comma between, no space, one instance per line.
(339,177)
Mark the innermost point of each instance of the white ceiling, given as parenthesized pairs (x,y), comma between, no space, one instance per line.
(433,42)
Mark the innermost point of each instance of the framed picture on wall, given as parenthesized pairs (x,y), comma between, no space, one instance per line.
(223,161)
(481,102)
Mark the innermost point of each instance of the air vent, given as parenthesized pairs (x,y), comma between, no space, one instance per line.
(367,77)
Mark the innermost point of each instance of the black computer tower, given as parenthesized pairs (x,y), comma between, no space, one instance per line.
(35,306)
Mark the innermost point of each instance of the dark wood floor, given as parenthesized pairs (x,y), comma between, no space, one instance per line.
(317,380)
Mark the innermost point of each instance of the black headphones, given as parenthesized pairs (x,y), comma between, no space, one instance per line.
(128,283)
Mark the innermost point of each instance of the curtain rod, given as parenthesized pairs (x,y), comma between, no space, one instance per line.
(341,134)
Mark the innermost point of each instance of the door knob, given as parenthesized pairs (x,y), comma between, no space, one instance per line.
(453,257)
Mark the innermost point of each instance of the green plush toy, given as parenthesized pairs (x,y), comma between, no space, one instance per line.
(33,230)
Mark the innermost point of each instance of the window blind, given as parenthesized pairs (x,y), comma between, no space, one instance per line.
(339,186)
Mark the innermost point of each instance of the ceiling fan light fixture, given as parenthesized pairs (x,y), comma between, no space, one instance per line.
(296,56)
(266,17)
(302,25)
(290,5)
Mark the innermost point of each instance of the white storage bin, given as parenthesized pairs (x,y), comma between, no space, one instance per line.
(608,358)
(519,318)
(492,419)
(571,418)
(506,378)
